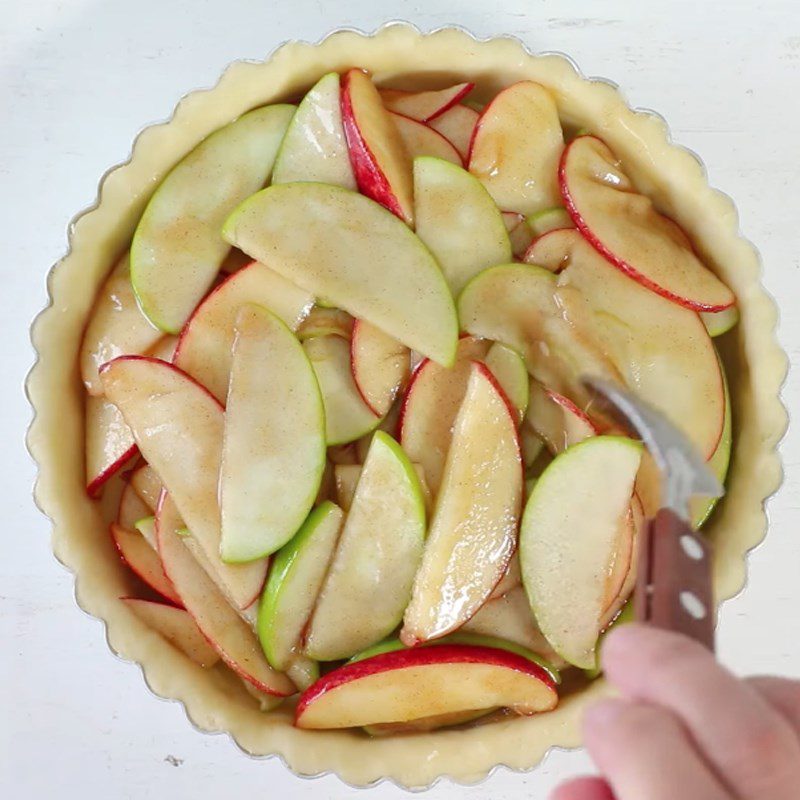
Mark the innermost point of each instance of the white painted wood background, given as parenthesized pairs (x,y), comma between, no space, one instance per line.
(78,78)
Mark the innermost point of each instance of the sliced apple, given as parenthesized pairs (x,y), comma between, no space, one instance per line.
(458,220)
(387,424)
(661,349)
(205,346)
(380,366)
(177,251)
(430,406)
(551,249)
(347,475)
(116,326)
(226,631)
(516,148)
(532,445)
(568,538)
(406,685)
(380,162)
(131,509)
(376,560)
(347,416)
(314,147)
(143,561)
(147,485)
(508,368)
(519,232)
(425,106)
(720,322)
(273,453)
(511,579)
(625,227)
(473,533)
(147,528)
(426,724)
(421,141)
(323,321)
(375,268)
(164,348)
(457,125)
(621,578)
(294,582)
(109,443)
(178,426)
(549,219)
(557,421)
(177,627)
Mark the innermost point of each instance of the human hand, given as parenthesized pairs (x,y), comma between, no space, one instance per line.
(686,728)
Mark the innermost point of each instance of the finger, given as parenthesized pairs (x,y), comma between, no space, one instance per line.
(751,747)
(783,695)
(583,789)
(644,752)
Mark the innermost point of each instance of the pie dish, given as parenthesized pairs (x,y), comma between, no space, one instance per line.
(671,176)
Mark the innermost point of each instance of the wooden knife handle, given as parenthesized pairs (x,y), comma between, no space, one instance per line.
(673,589)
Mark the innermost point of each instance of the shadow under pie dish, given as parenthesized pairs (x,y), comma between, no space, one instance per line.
(404,63)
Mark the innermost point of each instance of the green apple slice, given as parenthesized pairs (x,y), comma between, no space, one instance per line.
(458,220)
(568,538)
(720,322)
(273,452)
(314,147)
(205,347)
(421,140)
(178,426)
(473,533)
(369,582)
(516,148)
(347,416)
(323,321)
(109,443)
(355,254)
(625,227)
(430,406)
(177,249)
(380,366)
(147,485)
(549,219)
(219,622)
(457,125)
(294,582)
(177,627)
(347,475)
(519,233)
(132,509)
(116,327)
(508,367)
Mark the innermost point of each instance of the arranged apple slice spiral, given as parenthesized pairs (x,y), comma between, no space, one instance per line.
(345,348)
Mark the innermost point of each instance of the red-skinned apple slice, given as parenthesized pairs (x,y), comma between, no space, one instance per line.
(147,485)
(422,141)
(109,443)
(404,685)
(294,582)
(430,406)
(143,561)
(177,627)
(347,416)
(369,582)
(116,326)
(425,106)
(205,346)
(164,348)
(511,578)
(473,532)
(568,540)
(510,618)
(550,250)
(226,631)
(131,509)
(380,162)
(375,268)
(556,419)
(178,426)
(549,219)
(519,233)
(457,125)
(625,227)
(661,349)
(380,366)
(622,574)
(516,147)
(314,147)
(458,221)
(273,452)
(323,321)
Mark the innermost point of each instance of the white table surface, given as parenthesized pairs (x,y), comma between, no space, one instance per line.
(79,77)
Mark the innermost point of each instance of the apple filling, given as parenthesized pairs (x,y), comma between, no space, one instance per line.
(336,381)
